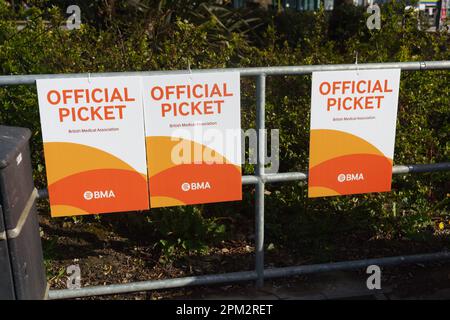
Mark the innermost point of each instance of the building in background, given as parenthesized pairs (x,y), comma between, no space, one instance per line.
(299,5)
(430,7)
(436,11)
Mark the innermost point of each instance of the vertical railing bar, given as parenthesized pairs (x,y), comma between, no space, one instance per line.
(259,196)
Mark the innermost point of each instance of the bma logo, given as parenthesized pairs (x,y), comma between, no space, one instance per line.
(186,186)
(89,195)
(350,177)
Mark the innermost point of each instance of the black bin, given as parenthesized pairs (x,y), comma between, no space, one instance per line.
(6,280)
(22,272)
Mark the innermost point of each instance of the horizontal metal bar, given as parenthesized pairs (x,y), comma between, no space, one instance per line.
(243,276)
(286,176)
(280,70)
(297,70)
(250,180)
(400,169)
(356,264)
(421,168)
(152,285)
(43,193)
(303,176)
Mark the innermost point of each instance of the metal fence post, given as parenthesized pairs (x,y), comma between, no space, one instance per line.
(259,200)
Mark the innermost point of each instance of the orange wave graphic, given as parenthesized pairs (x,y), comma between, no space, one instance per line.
(60,210)
(166,177)
(224,181)
(73,169)
(342,163)
(328,144)
(375,170)
(64,159)
(160,149)
(90,192)
(160,202)
(321,192)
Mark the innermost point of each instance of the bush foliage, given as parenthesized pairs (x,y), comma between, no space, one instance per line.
(164,35)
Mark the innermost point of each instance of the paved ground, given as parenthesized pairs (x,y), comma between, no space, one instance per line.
(423,282)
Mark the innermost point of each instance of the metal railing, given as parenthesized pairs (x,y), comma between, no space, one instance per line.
(259,179)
